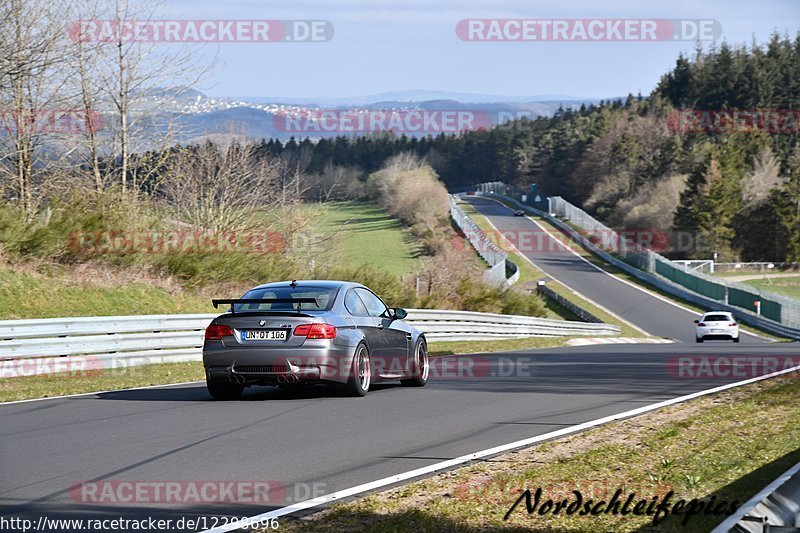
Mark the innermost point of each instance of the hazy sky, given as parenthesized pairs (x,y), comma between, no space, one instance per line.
(382,45)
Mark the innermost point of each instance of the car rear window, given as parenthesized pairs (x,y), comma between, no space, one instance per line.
(325,296)
(717,318)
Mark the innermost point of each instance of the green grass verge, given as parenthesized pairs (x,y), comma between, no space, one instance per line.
(788,286)
(701,449)
(504,345)
(757,275)
(365,233)
(32,295)
(730,274)
(24,388)
(529,272)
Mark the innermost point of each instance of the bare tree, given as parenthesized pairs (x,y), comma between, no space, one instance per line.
(335,182)
(765,177)
(84,60)
(129,77)
(409,189)
(52,66)
(294,164)
(30,89)
(221,188)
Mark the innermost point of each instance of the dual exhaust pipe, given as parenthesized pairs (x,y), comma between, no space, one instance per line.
(289,378)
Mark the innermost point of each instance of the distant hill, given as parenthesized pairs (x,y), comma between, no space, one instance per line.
(199,116)
(416,95)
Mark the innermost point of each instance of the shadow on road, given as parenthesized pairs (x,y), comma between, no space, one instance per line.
(198,393)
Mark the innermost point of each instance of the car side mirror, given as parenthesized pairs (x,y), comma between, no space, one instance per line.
(400,313)
(696,321)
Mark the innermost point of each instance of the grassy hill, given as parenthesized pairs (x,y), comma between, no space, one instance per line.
(362,232)
(37,295)
(788,286)
(354,233)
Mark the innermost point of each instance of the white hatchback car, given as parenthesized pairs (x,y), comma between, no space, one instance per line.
(717,325)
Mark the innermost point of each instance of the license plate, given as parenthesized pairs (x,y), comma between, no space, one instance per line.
(264,335)
(717,331)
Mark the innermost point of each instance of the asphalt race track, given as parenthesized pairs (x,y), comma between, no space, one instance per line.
(312,442)
(654,316)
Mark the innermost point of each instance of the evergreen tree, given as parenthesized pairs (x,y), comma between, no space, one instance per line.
(717,211)
(687,214)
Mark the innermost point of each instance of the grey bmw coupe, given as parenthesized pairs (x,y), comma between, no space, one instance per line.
(290,333)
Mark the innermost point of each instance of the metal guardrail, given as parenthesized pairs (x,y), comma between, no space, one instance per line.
(543,290)
(59,344)
(575,309)
(663,284)
(729,295)
(494,256)
(465,325)
(776,307)
(776,508)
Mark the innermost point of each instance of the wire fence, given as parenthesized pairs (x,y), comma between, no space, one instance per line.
(494,256)
(773,306)
(667,286)
(756,267)
(601,235)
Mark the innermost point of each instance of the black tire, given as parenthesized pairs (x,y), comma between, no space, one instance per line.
(736,339)
(419,367)
(698,339)
(356,384)
(223,390)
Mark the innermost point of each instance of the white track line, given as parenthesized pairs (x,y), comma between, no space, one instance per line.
(443,465)
(98,392)
(634,285)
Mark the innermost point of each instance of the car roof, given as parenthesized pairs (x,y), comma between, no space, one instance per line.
(326,283)
(718,313)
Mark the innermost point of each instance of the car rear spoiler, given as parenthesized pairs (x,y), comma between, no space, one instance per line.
(234,301)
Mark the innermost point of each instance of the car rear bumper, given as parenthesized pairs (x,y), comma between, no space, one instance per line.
(254,366)
(725,334)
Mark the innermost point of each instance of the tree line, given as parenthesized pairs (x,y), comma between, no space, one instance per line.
(624,160)
(632,162)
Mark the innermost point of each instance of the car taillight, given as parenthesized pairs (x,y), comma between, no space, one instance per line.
(215,332)
(315,331)
(701,324)
(732,324)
